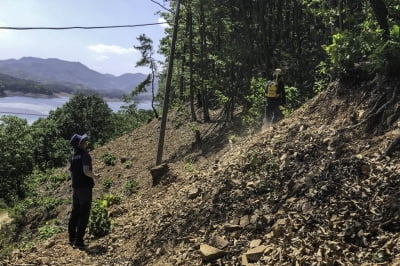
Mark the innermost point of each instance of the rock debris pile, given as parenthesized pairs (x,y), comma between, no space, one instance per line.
(312,190)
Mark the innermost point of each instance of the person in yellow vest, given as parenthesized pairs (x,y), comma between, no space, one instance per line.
(274,97)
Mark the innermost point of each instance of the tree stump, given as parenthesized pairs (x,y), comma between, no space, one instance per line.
(158,172)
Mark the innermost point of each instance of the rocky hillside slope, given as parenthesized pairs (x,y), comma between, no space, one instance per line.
(316,189)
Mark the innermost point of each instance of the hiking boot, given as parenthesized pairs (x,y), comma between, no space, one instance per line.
(71,242)
(80,244)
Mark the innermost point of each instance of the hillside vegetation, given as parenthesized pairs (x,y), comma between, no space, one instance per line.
(321,187)
(316,188)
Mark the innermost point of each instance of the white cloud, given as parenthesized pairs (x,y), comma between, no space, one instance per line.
(162,20)
(102,57)
(110,49)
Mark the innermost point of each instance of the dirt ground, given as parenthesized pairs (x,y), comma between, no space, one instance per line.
(314,189)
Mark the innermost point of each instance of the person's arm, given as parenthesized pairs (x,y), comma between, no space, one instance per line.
(87,166)
(88,172)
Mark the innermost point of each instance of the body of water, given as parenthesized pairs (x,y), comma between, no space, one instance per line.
(32,109)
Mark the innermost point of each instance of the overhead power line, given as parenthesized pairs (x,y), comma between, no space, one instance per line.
(169,10)
(81,27)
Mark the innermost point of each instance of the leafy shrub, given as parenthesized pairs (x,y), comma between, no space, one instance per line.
(112,199)
(131,186)
(189,165)
(99,222)
(108,158)
(84,114)
(49,149)
(19,211)
(49,203)
(46,231)
(107,183)
(128,164)
(256,101)
(15,157)
(293,100)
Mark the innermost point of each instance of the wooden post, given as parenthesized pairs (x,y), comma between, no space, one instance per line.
(168,87)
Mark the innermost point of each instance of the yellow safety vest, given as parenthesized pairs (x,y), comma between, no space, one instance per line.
(272,90)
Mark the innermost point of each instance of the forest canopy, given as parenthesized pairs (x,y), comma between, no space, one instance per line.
(224,46)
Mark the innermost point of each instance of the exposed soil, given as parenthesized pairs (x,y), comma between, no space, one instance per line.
(4,218)
(316,189)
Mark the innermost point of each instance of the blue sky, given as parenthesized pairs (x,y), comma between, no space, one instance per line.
(103,50)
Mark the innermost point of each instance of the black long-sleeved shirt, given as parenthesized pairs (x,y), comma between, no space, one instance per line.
(78,160)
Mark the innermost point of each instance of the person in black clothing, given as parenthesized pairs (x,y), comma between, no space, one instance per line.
(275,97)
(82,184)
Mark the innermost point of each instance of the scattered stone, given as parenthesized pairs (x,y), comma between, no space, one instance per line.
(255,243)
(244,221)
(221,242)
(232,227)
(210,253)
(193,193)
(254,254)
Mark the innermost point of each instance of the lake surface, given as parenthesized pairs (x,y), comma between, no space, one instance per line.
(32,109)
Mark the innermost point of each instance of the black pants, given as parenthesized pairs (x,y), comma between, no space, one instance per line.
(81,204)
(272,112)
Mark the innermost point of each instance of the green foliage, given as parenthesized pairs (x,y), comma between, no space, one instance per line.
(3,205)
(189,165)
(129,118)
(131,186)
(49,203)
(127,164)
(366,46)
(99,221)
(256,100)
(386,56)
(48,230)
(49,149)
(108,158)
(15,157)
(232,137)
(322,77)
(14,84)
(19,211)
(112,199)
(84,114)
(193,127)
(107,183)
(293,100)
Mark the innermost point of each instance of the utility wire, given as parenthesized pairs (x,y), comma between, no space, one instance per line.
(169,10)
(80,27)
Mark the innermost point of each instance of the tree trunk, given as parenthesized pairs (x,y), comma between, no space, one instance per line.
(381,15)
(191,87)
(203,43)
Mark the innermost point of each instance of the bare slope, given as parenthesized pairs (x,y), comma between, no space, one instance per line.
(314,189)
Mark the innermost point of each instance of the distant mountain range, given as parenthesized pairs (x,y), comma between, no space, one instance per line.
(74,75)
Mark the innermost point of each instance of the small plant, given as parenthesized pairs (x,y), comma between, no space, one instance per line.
(107,183)
(127,164)
(189,166)
(131,186)
(49,203)
(99,222)
(232,137)
(47,231)
(108,158)
(112,199)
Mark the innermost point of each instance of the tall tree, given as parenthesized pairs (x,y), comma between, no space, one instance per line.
(146,49)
